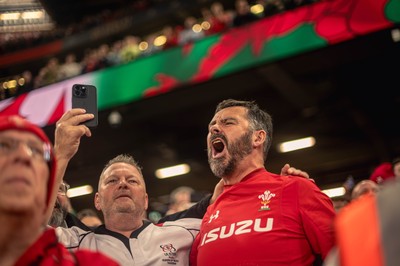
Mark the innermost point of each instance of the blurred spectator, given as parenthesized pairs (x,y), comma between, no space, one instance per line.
(367,230)
(27,84)
(63,215)
(48,74)
(396,167)
(94,60)
(206,14)
(130,49)
(382,172)
(113,57)
(339,203)
(70,68)
(151,47)
(364,187)
(89,217)
(171,34)
(243,14)
(189,33)
(62,207)
(180,199)
(271,7)
(219,19)
(102,53)
(64,199)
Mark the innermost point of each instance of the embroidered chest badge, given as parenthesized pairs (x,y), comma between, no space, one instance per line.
(169,252)
(265,200)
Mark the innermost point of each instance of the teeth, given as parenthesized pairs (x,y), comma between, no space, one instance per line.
(218,145)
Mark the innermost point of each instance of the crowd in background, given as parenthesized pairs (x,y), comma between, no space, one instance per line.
(214,19)
(380,175)
(12,42)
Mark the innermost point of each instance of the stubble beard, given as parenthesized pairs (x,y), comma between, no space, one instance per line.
(125,207)
(237,150)
(133,208)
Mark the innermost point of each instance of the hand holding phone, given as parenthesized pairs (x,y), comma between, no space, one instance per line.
(85,96)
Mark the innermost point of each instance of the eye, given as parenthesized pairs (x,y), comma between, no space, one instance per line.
(132,181)
(111,181)
(228,122)
(36,149)
(5,145)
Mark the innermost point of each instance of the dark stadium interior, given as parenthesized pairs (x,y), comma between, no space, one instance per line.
(346,96)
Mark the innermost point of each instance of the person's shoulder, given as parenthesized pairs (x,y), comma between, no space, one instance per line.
(183,222)
(299,183)
(73,231)
(300,180)
(285,179)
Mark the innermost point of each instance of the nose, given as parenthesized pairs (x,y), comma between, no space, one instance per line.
(122,183)
(24,149)
(214,128)
(22,153)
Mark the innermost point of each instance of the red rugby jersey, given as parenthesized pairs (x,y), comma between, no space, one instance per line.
(266,219)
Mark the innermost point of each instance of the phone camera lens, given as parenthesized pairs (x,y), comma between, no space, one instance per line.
(80,91)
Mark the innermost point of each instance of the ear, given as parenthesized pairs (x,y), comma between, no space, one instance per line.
(147,202)
(259,138)
(97,201)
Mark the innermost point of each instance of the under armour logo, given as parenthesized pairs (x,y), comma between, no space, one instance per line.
(214,216)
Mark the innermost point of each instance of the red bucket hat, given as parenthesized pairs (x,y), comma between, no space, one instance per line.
(382,172)
(16,122)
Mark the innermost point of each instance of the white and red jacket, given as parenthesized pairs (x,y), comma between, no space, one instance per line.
(166,243)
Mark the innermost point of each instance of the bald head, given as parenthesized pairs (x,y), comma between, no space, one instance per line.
(364,187)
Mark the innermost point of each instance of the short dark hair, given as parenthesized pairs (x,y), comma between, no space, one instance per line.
(258,118)
(122,158)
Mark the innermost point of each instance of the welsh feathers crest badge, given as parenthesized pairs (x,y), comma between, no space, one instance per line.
(265,200)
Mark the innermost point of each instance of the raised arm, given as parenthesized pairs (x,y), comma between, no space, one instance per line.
(67,138)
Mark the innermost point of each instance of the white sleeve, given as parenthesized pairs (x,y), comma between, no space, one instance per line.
(70,237)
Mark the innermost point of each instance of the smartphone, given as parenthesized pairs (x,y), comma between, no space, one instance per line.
(85,96)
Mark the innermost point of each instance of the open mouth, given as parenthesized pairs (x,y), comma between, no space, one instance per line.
(218,147)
